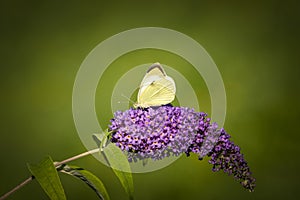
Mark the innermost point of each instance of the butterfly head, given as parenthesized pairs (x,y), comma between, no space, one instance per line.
(140,105)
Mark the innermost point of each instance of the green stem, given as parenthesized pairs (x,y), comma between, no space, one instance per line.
(56,164)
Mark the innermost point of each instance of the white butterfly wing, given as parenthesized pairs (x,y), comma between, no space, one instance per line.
(154,73)
(158,93)
(156,88)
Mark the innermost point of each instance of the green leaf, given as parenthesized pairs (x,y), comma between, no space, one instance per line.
(101,139)
(97,138)
(117,160)
(46,174)
(120,165)
(104,142)
(90,179)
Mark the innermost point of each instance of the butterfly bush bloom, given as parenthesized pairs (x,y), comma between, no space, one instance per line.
(159,132)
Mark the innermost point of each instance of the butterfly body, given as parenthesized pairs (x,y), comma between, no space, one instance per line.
(156,88)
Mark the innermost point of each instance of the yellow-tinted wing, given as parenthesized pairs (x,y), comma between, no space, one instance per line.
(156,88)
(154,73)
(159,92)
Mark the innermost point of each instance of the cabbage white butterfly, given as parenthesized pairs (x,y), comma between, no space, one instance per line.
(156,88)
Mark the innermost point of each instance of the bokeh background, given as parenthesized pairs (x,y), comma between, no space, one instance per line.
(255,45)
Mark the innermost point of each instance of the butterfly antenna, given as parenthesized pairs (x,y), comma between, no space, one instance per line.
(122,102)
(128,98)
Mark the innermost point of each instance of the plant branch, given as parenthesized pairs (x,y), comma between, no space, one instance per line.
(17,187)
(56,164)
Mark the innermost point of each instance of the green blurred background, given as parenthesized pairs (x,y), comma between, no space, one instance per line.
(254,44)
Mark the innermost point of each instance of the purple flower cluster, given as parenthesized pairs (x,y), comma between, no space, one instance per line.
(155,132)
(170,131)
(226,156)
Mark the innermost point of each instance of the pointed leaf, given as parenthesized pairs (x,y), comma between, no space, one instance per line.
(90,179)
(105,141)
(46,174)
(101,139)
(117,160)
(120,165)
(97,138)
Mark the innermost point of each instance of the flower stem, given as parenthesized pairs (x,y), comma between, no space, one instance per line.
(76,157)
(56,164)
(17,187)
